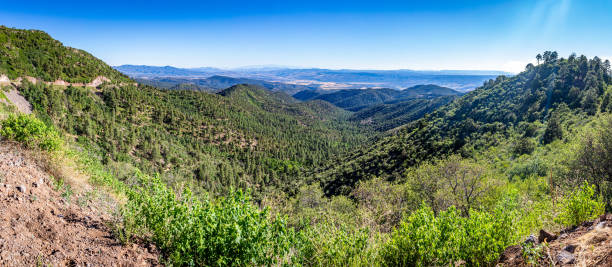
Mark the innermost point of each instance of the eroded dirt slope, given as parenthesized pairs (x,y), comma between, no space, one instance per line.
(42,224)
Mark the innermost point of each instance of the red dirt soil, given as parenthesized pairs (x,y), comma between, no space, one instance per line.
(40,227)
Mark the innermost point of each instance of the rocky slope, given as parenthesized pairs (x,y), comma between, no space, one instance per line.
(589,244)
(44,222)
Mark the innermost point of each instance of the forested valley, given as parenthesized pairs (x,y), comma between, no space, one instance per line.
(250,176)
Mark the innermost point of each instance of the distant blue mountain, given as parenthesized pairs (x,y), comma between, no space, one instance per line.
(461,80)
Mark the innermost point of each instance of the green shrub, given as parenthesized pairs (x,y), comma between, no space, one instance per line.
(580,206)
(228,232)
(325,244)
(423,239)
(30,131)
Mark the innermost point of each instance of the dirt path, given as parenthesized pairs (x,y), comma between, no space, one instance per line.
(39,226)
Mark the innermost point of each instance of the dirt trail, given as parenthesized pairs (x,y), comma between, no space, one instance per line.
(39,226)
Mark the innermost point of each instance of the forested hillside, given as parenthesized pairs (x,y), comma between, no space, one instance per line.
(34,53)
(243,137)
(358,99)
(542,94)
(383,117)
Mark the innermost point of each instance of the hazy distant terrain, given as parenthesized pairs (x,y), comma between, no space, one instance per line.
(322,78)
(217,82)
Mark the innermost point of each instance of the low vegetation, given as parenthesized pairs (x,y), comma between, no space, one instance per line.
(30,131)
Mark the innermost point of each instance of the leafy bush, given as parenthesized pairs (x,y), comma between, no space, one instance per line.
(30,131)
(423,239)
(523,170)
(228,232)
(523,146)
(580,206)
(328,245)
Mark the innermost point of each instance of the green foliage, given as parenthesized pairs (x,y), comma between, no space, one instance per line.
(523,146)
(227,232)
(580,206)
(30,131)
(532,253)
(423,239)
(328,245)
(593,159)
(533,167)
(553,129)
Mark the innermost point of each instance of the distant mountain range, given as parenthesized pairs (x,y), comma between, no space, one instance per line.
(461,80)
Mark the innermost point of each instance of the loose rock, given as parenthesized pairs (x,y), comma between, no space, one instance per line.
(570,248)
(546,236)
(530,239)
(565,257)
(21,188)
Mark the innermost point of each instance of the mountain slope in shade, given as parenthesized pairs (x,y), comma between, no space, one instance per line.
(383,117)
(358,99)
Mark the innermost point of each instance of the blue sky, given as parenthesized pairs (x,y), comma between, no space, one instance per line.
(424,35)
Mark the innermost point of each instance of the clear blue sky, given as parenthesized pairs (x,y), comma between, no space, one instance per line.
(377,34)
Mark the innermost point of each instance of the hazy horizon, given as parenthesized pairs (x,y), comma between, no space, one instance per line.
(497,35)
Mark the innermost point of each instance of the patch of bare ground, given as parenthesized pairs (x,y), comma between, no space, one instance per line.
(589,244)
(19,101)
(45,223)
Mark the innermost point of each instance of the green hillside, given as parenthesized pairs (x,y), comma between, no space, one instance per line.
(358,99)
(484,117)
(34,53)
(242,137)
(393,114)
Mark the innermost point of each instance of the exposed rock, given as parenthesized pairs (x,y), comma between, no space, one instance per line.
(19,101)
(570,248)
(546,236)
(530,239)
(21,188)
(4,80)
(98,81)
(565,257)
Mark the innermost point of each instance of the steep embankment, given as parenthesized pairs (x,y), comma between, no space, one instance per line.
(589,244)
(46,222)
